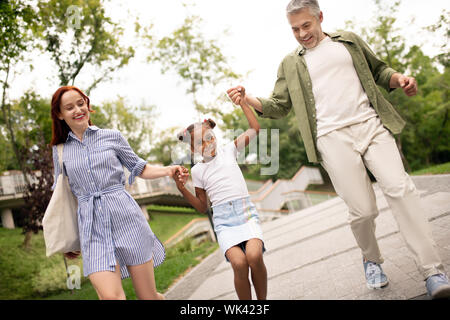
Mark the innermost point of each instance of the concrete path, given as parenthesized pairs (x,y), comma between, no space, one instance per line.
(312,254)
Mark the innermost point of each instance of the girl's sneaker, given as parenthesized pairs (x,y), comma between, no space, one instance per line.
(438,286)
(375,277)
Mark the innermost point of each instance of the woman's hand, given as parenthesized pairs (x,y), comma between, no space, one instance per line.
(72,255)
(179,173)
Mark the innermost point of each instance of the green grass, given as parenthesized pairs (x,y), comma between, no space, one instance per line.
(164,225)
(179,259)
(170,209)
(28,274)
(31,275)
(326,187)
(438,169)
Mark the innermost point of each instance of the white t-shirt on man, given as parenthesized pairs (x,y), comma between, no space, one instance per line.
(339,96)
(221,177)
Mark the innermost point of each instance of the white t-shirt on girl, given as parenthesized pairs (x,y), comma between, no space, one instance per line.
(221,177)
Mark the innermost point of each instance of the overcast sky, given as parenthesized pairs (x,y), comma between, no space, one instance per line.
(258,38)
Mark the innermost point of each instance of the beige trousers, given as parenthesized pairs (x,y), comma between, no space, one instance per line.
(346,153)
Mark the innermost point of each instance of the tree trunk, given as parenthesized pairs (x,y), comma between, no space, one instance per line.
(7,118)
(27,241)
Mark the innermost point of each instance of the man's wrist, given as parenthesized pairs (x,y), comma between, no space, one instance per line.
(254,103)
(395,80)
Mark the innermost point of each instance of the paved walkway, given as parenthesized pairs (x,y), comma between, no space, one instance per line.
(312,254)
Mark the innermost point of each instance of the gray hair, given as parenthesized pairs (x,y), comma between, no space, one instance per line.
(296,5)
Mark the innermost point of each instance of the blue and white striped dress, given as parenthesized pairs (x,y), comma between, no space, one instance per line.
(111,224)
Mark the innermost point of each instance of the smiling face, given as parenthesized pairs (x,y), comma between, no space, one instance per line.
(306,27)
(203,141)
(74,111)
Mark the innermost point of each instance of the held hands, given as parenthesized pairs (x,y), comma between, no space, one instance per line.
(180,175)
(238,96)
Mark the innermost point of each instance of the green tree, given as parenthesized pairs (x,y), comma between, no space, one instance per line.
(198,61)
(163,148)
(424,140)
(135,123)
(78,35)
(292,152)
(16,22)
(38,192)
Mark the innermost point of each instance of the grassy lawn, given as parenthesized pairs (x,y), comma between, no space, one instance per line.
(164,225)
(438,169)
(31,275)
(170,209)
(179,259)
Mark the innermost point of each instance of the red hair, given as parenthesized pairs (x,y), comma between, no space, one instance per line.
(60,129)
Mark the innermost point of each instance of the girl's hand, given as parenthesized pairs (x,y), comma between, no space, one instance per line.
(180,182)
(72,255)
(179,173)
(237,95)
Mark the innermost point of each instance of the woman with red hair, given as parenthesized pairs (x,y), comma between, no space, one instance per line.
(116,240)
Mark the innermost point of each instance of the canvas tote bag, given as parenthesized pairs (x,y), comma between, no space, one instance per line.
(60,221)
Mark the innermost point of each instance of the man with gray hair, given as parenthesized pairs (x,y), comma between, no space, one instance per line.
(347,125)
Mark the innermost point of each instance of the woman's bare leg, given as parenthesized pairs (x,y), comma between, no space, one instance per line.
(108,284)
(143,279)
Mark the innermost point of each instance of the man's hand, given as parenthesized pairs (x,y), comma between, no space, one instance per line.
(407,84)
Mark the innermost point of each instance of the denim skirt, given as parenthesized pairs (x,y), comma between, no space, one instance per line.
(235,222)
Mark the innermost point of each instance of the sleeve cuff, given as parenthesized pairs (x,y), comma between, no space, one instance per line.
(265,103)
(385,79)
(137,170)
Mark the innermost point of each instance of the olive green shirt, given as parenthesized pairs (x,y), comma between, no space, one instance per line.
(293,89)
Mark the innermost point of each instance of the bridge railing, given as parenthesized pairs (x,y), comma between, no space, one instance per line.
(13,183)
(164,185)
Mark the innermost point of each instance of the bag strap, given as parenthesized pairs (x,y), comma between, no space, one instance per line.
(60,148)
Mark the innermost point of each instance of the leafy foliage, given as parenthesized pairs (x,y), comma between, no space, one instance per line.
(198,61)
(78,35)
(38,192)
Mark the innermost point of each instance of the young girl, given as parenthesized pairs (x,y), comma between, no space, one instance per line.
(236,221)
(116,240)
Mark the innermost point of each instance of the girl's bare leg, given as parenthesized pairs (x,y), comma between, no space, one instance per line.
(253,252)
(240,267)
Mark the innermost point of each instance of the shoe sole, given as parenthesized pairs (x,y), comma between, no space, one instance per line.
(441,293)
(378,286)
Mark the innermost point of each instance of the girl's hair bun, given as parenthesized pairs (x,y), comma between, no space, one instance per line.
(185,135)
